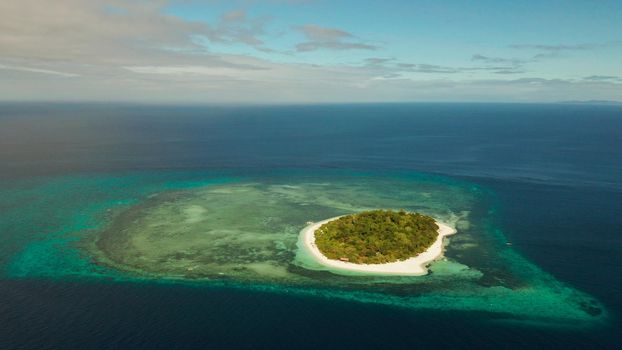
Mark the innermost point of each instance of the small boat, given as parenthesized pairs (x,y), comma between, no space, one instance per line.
(344,259)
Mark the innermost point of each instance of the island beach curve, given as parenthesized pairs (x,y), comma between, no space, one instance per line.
(415,266)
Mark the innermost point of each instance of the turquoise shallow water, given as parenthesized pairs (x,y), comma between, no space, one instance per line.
(48,215)
(547,178)
(241,232)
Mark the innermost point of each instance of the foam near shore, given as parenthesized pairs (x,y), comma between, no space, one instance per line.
(415,266)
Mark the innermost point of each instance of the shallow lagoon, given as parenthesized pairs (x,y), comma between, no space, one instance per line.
(239,230)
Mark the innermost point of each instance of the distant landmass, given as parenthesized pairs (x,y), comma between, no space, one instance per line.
(594,102)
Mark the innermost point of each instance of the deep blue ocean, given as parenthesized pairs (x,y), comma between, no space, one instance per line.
(555,169)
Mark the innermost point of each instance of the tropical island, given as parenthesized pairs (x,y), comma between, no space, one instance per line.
(376,237)
(377,242)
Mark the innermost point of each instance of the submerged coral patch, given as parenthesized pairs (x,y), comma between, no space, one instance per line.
(243,233)
(246,233)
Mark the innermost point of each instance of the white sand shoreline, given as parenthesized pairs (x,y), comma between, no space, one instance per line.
(415,266)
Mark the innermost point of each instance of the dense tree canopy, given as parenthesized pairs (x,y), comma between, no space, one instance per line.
(377,236)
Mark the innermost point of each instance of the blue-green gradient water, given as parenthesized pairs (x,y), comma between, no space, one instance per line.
(160,227)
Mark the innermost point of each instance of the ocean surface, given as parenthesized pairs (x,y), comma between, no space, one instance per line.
(535,191)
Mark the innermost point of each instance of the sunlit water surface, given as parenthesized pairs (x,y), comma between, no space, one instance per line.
(100,228)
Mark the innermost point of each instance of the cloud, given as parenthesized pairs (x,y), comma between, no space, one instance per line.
(235,16)
(38,70)
(553,51)
(499,65)
(238,72)
(86,32)
(329,38)
(559,47)
(89,32)
(289,83)
(377,61)
(390,67)
(429,68)
(497,60)
(132,50)
(313,46)
(236,27)
(610,78)
(509,71)
(317,33)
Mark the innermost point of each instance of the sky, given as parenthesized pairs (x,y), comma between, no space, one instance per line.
(310,51)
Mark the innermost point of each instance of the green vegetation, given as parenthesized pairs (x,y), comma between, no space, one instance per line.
(376,237)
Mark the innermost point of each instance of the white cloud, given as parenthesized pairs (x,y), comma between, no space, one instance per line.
(38,70)
(133,51)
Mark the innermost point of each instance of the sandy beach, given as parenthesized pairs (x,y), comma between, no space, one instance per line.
(415,266)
